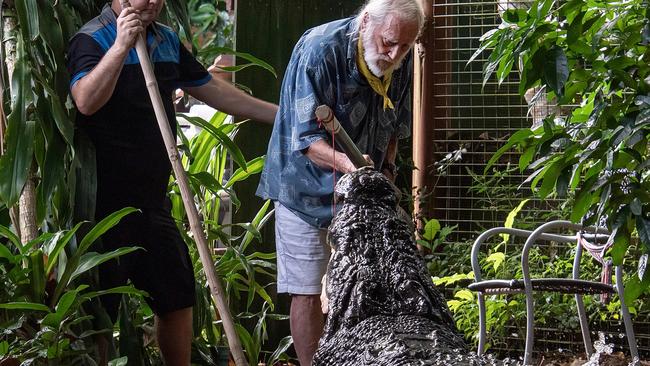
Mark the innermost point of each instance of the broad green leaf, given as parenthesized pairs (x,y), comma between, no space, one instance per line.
(562,184)
(27,11)
(24,306)
(634,288)
(283,346)
(515,139)
(18,157)
(496,258)
(122,361)
(526,158)
(13,238)
(53,169)
(510,219)
(556,70)
(246,56)
(103,226)
(91,260)
(574,32)
(73,263)
(431,229)
(466,295)
(54,254)
(234,151)
(643,228)
(261,217)
(550,178)
(621,242)
(252,167)
(65,302)
(6,253)
(246,341)
(124,290)
(207,180)
(582,205)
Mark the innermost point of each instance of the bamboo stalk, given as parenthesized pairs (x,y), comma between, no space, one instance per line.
(216,287)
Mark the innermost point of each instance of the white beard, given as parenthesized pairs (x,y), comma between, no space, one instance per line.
(372,57)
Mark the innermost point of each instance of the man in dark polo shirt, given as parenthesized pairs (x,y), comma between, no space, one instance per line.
(133,169)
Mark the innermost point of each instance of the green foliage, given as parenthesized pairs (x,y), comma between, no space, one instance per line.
(593,54)
(43,308)
(246,272)
(501,259)
(434,235)
(47,306)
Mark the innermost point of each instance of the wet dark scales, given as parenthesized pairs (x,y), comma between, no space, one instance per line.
(383,306)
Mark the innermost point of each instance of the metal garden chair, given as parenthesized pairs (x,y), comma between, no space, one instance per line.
(595,240)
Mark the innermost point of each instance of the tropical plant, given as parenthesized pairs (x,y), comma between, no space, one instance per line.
(208,158)
(593,54)
(36,131)
(501,258)
(44,299)
(53,169)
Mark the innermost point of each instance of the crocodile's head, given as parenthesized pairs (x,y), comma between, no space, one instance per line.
(366,186)
(375,269)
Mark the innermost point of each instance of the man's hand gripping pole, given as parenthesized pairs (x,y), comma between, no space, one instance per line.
(325,115)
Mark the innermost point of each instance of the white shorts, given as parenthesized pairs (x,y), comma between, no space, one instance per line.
(302,253)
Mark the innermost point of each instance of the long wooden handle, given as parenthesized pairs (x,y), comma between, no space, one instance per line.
(325,115)
(216,287)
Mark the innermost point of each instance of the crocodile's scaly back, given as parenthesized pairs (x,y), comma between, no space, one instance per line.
(383,307)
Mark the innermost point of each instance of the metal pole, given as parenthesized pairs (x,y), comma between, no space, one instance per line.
(216,288)
(422,112)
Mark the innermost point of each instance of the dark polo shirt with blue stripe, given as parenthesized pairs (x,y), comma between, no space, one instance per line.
(132,164)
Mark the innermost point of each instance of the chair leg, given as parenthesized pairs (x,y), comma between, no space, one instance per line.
(625,314)
(584,326)
(530,325)
(482,335)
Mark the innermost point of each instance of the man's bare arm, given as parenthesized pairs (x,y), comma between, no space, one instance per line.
(225,97)
(92,91)
(325,157)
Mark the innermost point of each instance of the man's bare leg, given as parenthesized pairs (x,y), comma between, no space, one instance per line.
(307,325)
(174,335)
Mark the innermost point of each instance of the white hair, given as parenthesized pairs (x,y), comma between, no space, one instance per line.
(378,10)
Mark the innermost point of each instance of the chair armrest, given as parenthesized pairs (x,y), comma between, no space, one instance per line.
(490,233)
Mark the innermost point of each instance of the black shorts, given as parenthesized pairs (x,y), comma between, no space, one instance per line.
(163,267)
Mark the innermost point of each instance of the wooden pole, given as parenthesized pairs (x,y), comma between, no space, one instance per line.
(326,117)
(216,287)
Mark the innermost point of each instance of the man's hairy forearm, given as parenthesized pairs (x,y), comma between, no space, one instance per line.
(227,98)
(322,154)
(92,91)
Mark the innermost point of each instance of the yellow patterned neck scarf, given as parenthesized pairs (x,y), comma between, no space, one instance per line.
(380,86)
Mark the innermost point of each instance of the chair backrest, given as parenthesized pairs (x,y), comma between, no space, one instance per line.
(597,245)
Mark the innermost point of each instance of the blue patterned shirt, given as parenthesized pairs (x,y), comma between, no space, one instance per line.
(323,70)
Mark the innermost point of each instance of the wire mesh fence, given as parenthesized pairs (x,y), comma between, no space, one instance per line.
(472,121)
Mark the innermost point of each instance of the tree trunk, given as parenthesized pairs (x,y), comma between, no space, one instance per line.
(26,211)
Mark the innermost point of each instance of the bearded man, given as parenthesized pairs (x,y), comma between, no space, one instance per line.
(361,68)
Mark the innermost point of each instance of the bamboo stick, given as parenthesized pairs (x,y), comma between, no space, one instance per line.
(216,287)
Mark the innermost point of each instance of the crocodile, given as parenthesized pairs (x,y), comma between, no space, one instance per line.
(383,306)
